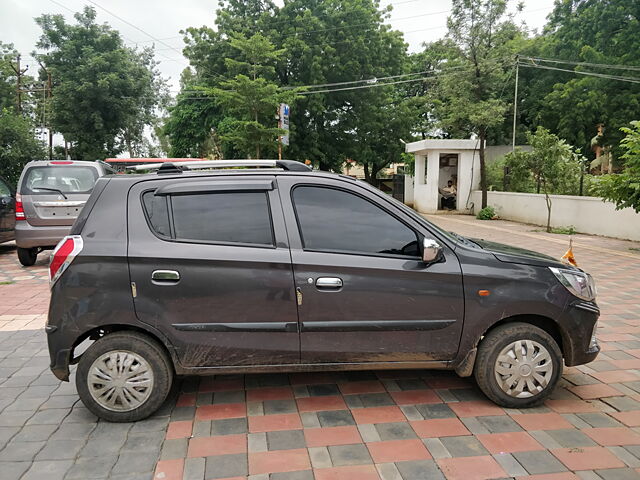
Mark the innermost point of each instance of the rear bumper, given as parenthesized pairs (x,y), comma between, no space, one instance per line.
(29,236)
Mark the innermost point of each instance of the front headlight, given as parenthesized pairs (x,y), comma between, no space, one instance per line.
(579,283)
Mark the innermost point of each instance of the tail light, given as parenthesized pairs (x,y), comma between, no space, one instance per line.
(19,208)
(62,256)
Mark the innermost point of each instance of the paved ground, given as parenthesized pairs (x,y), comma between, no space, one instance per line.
(403,425)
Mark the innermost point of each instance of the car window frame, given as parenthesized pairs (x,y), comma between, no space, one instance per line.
(174,239)
(418,234)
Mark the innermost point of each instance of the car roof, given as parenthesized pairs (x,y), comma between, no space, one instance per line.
(61,163)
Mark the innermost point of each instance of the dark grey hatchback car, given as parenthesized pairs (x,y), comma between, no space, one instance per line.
(257,269)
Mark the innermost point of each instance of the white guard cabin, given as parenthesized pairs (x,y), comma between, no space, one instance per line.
(439,161)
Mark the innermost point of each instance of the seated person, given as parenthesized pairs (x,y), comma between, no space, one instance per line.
(449,196)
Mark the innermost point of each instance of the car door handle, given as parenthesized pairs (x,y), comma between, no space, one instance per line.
(165,276)
(329,282)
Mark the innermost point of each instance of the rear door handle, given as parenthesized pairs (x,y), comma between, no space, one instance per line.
(329,283)
(165,276)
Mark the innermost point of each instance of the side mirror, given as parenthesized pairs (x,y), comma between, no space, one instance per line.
(431,250)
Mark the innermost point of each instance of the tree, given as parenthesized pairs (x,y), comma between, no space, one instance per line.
(322,42)
(475,58)
(624,189)
(249,98)
(18,144)
(550,164)
(104,92)
(572,105)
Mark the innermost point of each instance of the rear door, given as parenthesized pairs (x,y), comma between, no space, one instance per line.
(210,261)
(54,193)
(366,294)
(7,212)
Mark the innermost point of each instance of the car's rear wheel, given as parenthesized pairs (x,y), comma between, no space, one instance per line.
(518,365)
(27,256)
(124,377)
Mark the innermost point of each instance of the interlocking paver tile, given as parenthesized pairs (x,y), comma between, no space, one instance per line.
(351,472)
(398,451)
(464,446)
(268,423)
(419,470)
(439,427)
(471,468)
(509,442)
(285,439)
(278,461)
(378,414)
(323,437)
(395,431)
(587,458)
(222,445)
(349,455)
(335,418)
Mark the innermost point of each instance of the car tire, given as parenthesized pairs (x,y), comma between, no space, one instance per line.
(518,365)
(27,256)
(134,368)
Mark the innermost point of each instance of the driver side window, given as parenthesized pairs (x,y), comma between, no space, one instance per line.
(333,220)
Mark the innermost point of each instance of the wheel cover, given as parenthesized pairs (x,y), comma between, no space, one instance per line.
(120,381)
(523,369)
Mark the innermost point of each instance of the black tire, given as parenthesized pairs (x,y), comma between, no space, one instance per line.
(142,346)
(497,340)
(27,256)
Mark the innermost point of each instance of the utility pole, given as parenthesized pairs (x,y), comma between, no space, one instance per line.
(49,89)
(19,72)
(515,106)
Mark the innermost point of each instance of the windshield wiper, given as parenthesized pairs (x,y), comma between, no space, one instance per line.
(52,190)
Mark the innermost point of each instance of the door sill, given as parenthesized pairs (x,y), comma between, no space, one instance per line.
(314,367)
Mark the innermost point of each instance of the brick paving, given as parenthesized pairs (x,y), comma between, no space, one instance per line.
(386,425)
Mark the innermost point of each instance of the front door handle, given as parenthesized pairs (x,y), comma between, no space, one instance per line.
(165,276)
(329,283)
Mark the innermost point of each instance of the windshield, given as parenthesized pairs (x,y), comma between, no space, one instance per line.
(50,180)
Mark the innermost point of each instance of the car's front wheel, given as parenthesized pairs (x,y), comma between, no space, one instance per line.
(518,365)
(27,256)
(124,377)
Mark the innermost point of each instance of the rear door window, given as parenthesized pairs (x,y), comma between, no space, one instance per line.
(50,180)
(225,217)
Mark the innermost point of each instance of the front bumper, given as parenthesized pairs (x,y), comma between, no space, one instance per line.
(579,324)
(30,236)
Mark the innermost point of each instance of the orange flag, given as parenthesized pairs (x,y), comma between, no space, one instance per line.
(568,257)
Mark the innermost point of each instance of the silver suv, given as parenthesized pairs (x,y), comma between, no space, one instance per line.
(50,197)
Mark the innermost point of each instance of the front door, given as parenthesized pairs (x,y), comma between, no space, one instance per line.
(366,294)
(212,269)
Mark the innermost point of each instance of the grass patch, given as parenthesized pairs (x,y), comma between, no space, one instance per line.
(634,249)
(570,230)
(9,282)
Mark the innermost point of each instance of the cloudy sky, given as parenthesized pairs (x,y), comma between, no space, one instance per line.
(159,22)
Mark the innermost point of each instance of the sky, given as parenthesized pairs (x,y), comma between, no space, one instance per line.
(420,20)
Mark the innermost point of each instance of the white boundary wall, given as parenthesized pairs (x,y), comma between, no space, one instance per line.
(586,214)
